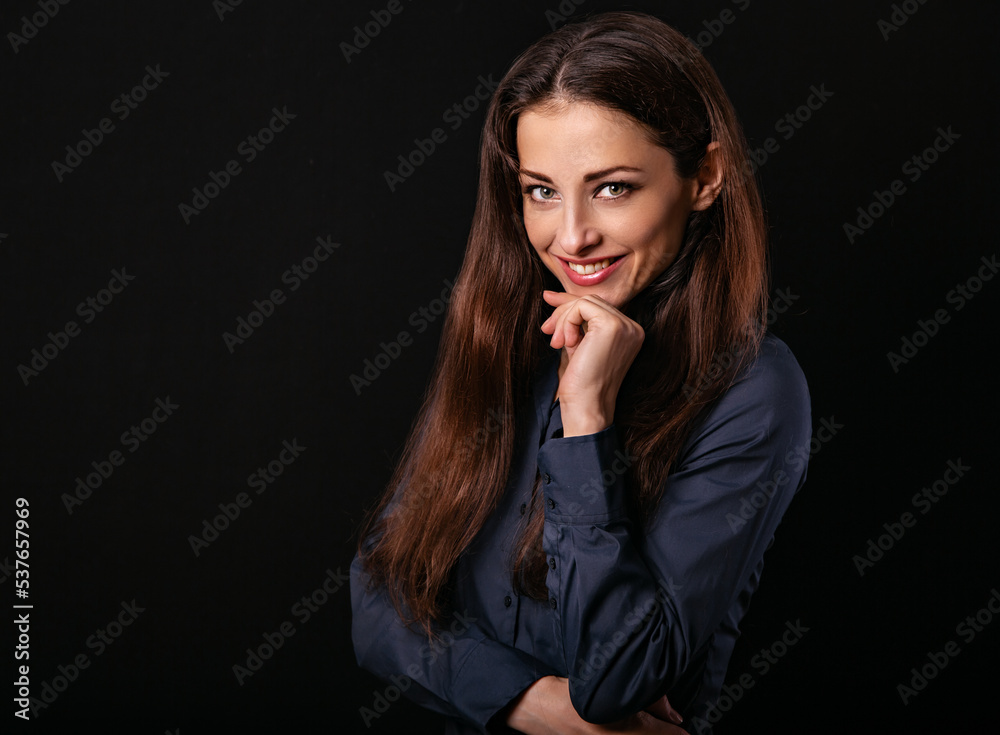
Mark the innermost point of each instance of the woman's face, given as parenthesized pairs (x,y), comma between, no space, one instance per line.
(603,206)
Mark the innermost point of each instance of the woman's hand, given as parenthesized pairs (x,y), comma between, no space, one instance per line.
(598,359)
(545,708)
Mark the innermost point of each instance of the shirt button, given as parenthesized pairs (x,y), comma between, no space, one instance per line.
(552,563)
(552,504)
(547,479)
(552,602)
(507,601)
(524,507)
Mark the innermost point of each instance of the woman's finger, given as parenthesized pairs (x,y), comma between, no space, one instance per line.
(559,300)
(662,709)
(568,325)
(562,301)
(587,312)
(555,298)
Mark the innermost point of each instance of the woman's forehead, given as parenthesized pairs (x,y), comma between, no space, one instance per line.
(581,135)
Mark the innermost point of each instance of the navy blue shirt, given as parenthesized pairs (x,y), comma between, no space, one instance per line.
(632,613)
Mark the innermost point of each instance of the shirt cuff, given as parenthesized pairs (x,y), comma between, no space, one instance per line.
(583,478)
(492,676)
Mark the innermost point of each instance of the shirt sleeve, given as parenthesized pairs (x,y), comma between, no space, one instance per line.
(463,673)
(634,607)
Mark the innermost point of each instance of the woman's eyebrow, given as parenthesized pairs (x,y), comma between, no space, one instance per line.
(587,178)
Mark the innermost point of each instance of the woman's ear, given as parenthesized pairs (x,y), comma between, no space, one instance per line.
(709,179)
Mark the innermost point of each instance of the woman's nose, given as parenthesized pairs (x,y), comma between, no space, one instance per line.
(576,231)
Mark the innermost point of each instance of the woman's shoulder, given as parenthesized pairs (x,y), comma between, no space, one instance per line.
(768,402)
(774,373)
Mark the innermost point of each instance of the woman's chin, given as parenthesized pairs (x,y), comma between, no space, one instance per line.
(611,295)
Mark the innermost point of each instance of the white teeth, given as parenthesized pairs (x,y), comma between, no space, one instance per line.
(586,270)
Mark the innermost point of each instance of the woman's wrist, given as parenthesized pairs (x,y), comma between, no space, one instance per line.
(541,708)
(580,422)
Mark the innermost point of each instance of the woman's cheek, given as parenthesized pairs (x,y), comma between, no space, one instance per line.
(537,236)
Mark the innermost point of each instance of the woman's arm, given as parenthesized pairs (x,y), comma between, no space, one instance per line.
(545,709)
(473,678)
(633,616)
(464,674)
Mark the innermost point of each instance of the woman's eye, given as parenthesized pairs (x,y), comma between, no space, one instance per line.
(542,193)
(615,189)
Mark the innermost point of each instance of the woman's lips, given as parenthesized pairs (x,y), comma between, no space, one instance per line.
(591,279)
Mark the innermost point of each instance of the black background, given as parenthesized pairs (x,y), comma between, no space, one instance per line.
(323,175)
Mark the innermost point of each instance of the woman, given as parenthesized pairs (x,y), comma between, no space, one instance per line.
(579,517)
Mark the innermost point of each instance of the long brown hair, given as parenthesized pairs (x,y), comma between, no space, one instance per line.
(703,316)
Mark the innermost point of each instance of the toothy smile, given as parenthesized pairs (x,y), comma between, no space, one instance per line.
(589,268)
